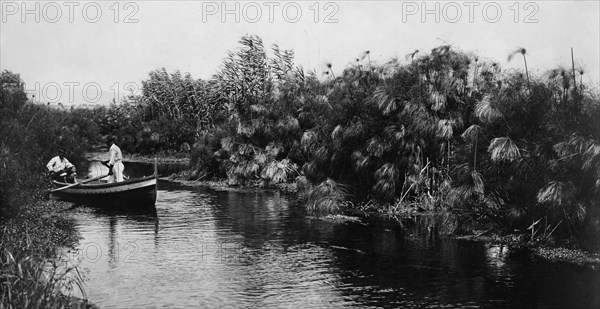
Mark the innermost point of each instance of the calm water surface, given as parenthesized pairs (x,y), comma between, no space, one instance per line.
(257,249)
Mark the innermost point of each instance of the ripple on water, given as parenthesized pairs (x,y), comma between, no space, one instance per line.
(256,249)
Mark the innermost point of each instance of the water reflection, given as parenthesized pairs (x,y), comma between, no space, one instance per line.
(256,249)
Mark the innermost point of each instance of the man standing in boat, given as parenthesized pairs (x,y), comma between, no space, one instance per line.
(60,168)
(115,164)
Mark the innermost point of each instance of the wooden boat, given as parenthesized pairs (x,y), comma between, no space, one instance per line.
(139,192)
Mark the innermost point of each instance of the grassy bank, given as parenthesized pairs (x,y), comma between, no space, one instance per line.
(33,274)
(32,227)
(223,184)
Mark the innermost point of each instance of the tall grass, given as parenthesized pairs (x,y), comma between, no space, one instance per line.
(33,274)
(31,281)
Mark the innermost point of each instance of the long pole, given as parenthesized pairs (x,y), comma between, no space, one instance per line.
(573,65)
(78,183)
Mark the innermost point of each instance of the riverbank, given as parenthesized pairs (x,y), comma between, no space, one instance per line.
(546,250)
(223,185)
(102,155)
(34,274)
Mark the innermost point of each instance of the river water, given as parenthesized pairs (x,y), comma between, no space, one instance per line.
(257,249)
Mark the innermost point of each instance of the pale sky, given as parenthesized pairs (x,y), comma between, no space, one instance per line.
(72,44)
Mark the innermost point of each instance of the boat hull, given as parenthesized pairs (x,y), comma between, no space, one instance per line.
(131,193)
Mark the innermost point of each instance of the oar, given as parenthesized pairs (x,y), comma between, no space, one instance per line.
(78,183)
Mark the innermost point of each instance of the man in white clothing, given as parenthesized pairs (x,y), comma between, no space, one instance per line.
(115,164)
(60,168)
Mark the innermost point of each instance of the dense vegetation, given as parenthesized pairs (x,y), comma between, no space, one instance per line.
(445,131)
(31,232)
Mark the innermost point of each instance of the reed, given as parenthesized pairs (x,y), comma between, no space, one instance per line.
(32,276)
(329,197)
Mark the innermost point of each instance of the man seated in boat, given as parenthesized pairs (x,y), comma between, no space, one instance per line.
(60,169)
(115,164)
